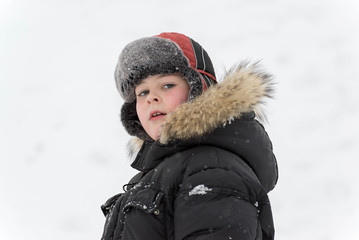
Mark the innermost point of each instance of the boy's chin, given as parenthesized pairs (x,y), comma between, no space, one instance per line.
(155,135)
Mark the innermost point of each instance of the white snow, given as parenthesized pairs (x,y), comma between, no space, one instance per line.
(62,146)
(199,190)
(229,121)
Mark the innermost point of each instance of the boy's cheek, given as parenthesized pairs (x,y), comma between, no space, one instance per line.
(140,112)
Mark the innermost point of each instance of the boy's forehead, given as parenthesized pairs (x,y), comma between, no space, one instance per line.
(149,80)
(155,78)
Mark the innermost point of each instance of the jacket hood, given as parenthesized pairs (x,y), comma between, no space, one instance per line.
(222,116)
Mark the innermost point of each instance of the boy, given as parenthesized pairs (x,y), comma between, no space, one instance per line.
(205,163)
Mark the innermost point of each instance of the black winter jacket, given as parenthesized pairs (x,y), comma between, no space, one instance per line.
(209,174)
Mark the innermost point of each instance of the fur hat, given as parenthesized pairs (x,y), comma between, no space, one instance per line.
(166,53)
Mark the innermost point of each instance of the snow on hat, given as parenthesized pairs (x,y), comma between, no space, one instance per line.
(166,53)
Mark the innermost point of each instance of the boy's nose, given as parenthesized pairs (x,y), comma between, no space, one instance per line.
(153,98)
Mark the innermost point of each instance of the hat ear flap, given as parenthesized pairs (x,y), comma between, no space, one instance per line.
(132,123)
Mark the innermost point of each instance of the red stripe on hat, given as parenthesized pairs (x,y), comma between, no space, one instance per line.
(204,84)
(185,44)
(208,74)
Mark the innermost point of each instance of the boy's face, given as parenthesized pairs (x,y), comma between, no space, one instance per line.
(158,96)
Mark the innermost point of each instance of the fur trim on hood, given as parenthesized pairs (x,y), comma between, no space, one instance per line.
(243,89)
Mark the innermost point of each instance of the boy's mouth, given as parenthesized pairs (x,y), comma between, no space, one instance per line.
(156,115)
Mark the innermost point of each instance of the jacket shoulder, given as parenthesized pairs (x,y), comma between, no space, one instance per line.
(220,168)
(213,157)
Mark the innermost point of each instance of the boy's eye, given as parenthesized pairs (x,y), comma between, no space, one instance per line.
(169,85)
(143,93)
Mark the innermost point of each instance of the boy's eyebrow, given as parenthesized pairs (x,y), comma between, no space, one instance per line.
(139,87)
(164,75)
(141,83)
(167,74)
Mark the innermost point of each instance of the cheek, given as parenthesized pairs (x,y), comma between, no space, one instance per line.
(140,111)
(176,99)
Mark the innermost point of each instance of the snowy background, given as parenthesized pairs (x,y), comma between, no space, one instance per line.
(62,146)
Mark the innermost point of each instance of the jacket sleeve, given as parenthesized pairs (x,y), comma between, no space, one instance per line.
(216,203)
